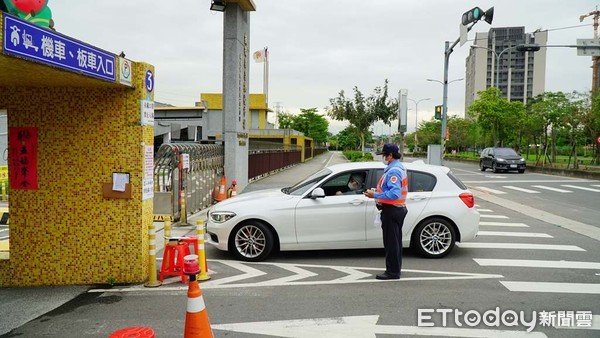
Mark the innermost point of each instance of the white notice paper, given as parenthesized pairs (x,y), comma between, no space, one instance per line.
(120,180)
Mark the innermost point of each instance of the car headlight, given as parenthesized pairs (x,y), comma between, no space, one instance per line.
(500,159)
(522,160)
(221,216)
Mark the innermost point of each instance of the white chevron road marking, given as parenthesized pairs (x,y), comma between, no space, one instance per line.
(521,246)
(493,216)
(580,188)
(514,234)
(354,275)
(528,263)
(551,188)
(579,288)
(520,189)
(503,224)
(493,191)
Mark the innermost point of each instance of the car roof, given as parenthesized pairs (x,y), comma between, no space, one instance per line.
(417,165)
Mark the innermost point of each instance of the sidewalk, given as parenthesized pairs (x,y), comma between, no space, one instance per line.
(21,305)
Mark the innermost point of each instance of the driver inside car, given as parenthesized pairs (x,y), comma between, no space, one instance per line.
(355,184)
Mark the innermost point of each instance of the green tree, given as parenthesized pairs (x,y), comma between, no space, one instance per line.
(362,112)
(551,109)
(311,124)
(593,125)
(348,139)
(459,133)
(497,114)
(285,121)
(577,113)
(429,132)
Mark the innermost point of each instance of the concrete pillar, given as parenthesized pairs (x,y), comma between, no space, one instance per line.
(236,41)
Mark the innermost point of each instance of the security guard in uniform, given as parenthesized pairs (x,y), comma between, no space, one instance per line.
(390,197)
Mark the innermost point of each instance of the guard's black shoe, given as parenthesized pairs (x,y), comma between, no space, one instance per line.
(385,276)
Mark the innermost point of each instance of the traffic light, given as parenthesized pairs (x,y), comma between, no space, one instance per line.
(476,14)
(438,112)
(532,47)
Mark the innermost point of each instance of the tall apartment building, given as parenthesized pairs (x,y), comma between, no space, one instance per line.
(521,75)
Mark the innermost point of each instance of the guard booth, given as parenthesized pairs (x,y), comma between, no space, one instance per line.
(78,117)
(190,170)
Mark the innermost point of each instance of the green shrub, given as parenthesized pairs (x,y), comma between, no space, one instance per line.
(357,156)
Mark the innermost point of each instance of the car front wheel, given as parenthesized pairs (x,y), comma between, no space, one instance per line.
(251,241)
(434,238)
(494,168)
(481,166)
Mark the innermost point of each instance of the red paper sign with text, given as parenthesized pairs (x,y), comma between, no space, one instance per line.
(22,152)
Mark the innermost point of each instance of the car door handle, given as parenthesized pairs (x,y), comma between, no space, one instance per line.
(417,198)
(356,202)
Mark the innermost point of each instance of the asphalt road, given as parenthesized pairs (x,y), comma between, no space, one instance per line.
(577,199)
(518,263)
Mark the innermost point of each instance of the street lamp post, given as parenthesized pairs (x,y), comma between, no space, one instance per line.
(521,48)
(416,114)
(440,82)
(445,102)
(497,58)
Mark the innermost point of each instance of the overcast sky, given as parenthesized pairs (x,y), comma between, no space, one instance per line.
(318,48)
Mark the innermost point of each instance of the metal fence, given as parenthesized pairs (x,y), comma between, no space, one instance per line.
(319,150)
(198,182)
(206,167)
(264,162)
(266,157)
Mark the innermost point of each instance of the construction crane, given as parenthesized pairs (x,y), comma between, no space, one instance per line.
(595,14)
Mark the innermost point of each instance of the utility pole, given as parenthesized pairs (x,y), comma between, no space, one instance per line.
(595,59)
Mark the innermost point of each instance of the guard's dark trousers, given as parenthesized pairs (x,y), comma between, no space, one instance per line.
(392,219)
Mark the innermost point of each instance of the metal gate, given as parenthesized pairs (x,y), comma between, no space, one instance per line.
(198,182)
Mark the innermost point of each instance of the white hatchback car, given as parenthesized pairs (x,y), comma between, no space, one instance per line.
(312,215)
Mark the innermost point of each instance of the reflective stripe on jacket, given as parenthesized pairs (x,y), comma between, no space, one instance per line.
(393,185)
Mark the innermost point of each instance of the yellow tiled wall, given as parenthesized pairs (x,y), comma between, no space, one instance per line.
(66,232)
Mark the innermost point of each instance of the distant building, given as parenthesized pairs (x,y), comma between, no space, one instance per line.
(522,75)
(204,122)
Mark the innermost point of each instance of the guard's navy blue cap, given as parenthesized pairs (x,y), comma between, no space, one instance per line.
(388,148)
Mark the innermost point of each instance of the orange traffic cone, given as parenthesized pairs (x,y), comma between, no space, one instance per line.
(222,195)
(197,324)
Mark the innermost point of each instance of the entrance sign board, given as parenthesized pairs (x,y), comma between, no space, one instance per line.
(32,42)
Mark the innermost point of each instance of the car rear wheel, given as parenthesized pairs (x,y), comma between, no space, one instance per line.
(434,238)
(481,166)
(251,241)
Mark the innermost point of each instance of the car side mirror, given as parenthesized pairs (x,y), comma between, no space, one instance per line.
(317,193)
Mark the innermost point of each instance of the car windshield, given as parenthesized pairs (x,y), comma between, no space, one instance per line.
(505,152)
(302,186)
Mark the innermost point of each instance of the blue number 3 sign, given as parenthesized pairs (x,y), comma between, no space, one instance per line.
(149,81)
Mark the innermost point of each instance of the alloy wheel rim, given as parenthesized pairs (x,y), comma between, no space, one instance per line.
(435,238)
(250,241)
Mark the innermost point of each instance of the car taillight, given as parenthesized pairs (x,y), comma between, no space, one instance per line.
(468,199)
